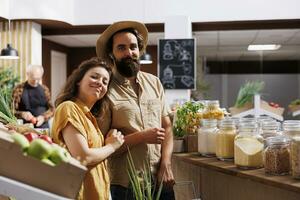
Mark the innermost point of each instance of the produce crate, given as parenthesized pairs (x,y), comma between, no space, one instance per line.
(64,179)
(294,108)
(263,105)
(191,143)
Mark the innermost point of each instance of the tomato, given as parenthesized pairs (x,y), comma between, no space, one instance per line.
(46,138)
(31,136)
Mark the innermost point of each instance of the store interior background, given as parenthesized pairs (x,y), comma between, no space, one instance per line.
(223,31)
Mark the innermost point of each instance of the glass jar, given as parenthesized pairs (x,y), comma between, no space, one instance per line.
(291,128)
(277,155)
(270,129)
(295,157)
(207,137)
(248,147)
(213,110)
(225,140)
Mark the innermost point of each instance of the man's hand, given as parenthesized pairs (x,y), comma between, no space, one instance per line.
(40,120)
(165,175)
(27,115)
(154,135)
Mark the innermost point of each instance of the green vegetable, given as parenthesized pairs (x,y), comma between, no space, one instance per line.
(247,92)
(187,116)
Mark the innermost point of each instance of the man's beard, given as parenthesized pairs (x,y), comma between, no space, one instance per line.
(128,67)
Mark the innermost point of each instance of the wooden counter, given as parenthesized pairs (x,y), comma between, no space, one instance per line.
(218,180)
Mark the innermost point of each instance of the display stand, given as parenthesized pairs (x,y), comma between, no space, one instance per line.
(258,111)
(21,191)
(296,113)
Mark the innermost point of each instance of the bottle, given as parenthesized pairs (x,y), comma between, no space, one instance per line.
(213,110)
(248,147)
(225,140)
(207,137)
(277,155)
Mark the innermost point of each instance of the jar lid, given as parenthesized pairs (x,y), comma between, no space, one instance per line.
(277,140)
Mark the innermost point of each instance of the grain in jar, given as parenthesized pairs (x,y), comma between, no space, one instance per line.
(277,155)
(295,157)
(225,140)
(248,147)
(213,110)
(207,137)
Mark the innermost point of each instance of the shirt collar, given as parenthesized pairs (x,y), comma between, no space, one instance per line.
(123,80)
(82,106)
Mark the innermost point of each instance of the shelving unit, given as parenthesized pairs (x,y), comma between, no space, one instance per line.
(258,111)
(21,191)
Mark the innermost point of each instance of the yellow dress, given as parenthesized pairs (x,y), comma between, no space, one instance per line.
(96,182)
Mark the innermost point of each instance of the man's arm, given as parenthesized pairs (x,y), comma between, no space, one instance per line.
(149,136)
(165,173)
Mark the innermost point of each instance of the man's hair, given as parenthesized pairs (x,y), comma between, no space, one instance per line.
(139,37)
(31,68)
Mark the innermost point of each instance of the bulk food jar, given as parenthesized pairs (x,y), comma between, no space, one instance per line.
(213,110)
(225,140)
(277,155)
(291,128)
(270,129)
(248,147)
(295,157)
(207,137)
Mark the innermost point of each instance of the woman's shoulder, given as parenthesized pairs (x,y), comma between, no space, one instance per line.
(67,106)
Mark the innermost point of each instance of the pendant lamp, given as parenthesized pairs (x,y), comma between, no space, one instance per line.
(146,59)
(9,52)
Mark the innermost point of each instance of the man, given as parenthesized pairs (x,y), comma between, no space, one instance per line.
(137,109)
(31,99)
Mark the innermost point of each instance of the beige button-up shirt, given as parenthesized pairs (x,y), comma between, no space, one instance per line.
(131,112)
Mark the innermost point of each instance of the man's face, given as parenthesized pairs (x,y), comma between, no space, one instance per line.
(34,77)
(126,54)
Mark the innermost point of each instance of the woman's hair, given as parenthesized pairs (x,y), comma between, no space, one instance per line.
(71,87)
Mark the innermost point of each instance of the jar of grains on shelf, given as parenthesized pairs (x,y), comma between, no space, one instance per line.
(248,147)
(225,139)
(207,137)
(213,110)
(277,155)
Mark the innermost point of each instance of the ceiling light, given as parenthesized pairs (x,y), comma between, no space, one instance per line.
(263,47)
(9,52)
(146,59)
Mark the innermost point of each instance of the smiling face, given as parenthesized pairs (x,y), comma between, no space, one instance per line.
(93,85)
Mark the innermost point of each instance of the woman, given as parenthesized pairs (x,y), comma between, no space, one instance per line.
(80,102)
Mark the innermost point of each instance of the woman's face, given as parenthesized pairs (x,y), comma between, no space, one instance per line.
(93,85)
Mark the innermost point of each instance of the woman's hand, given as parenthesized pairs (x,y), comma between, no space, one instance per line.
(115,139)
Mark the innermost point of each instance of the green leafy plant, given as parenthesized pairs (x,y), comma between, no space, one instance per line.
(187,117)
(8,81)
(141,183)
(247,91)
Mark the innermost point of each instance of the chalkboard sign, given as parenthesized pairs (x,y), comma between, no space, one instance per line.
(177,63)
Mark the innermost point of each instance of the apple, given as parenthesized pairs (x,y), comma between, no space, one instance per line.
(46,138)
(31,136)
(39,149)
(20,140)
(59,154)
(48,162)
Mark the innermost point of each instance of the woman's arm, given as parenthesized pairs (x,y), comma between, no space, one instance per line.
(78,146)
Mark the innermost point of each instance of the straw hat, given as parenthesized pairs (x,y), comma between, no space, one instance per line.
(115,27)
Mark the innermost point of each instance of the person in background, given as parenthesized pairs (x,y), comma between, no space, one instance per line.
(31,99)
(74,125)
(137,109)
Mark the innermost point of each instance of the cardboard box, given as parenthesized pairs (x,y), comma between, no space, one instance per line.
(263,105)
(64,179)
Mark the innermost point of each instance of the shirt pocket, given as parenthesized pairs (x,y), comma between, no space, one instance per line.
(125,112)
(153,112)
